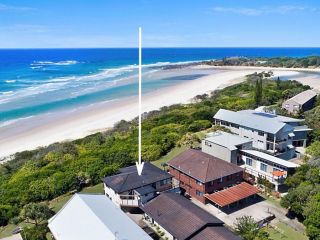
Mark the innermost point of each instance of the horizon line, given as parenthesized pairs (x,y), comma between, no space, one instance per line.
(75,48)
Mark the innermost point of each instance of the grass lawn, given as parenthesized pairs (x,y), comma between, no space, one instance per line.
(7,230)
(57,203)
(174,152)
(285,232)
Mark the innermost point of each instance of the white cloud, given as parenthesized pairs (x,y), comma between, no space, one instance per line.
(4,7)
(285,9)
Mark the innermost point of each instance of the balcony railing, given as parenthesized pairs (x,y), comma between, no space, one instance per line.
(128,200)
(268,176)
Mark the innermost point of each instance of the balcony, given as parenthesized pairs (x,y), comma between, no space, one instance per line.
(273,177)
(128,200)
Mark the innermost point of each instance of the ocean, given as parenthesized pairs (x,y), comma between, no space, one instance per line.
(40,81)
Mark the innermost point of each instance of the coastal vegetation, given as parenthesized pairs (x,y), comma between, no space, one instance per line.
(48,172)
(286,62)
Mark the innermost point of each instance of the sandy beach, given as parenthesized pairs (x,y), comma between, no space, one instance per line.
(42,130)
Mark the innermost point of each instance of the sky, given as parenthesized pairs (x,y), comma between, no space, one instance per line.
(165,23)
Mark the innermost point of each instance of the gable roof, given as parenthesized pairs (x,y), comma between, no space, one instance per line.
(87,216)
(128,178)
(227,140)
(178,215)
(303,97)
(255,120)
(202,166)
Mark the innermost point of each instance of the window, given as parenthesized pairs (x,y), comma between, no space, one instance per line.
(220,180)
(260,141)
(261,133)
(198,182)
(249,161)
(199,193)
(164,182)
(263,167)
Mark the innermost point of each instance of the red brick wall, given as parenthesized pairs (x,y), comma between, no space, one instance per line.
(191,186)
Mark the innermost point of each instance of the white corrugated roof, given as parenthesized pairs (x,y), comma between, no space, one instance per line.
(271,158)
(255,120)
(304,96)
(227,140)
(96,217)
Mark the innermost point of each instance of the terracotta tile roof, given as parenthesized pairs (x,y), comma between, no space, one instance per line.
(215,233)
(203,166)
(128,178)
(179,216)
(232,194)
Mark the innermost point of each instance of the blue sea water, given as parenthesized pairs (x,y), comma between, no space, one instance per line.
(37,81)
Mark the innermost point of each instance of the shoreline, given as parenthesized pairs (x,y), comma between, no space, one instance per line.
(43,130)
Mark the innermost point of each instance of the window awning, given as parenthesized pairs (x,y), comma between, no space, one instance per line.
(290,146)
(233,194)
(278,173)
(291,134)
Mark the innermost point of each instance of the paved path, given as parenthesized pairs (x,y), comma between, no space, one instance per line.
(258,211)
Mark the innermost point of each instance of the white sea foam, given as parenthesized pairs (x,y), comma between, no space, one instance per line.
(90,81)
(48,63)
(10,81)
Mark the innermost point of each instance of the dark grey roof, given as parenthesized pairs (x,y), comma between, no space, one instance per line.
(215,233)
(179,216)
(145,190)
(128,178)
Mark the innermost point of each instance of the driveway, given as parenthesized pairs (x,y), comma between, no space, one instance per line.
(259,209)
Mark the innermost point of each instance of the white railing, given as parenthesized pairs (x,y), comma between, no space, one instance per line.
(128,200)
(268,176)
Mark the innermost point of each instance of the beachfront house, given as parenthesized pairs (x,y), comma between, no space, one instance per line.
(256,163)
(274,134)
(88,216)
(261,165)
(303,101)
(128,189)
(198,173)
(180,219)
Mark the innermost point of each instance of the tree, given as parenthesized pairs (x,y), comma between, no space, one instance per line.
(314,149)
(35,233)
(36,213)
(246,227)
(312,214)
(258,92)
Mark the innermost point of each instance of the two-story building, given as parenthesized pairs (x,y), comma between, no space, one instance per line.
(303,101)
(198,173)
(273,169)
(268,132)
(225,146)
(238,150)
(129,189)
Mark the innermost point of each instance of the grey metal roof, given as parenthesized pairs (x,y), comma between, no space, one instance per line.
(280,118)
(87,216)
(303,97)
(302,128)
(259,121)
(227,140)
(271,158)
(128,178)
